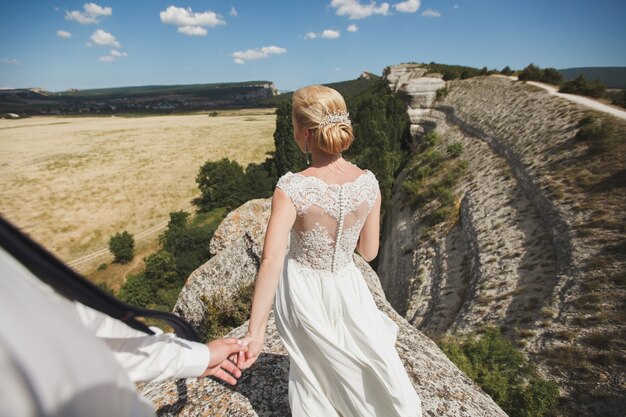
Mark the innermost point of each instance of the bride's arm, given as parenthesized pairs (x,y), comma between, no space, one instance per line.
(370,233)
(282,218)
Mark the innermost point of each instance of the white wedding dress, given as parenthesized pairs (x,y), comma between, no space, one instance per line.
(343,360)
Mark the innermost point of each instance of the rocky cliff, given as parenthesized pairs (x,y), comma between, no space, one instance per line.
(262,391)
(536,243)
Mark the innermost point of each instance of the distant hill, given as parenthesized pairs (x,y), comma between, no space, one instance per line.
(347,89)
(613,77)
(146,99)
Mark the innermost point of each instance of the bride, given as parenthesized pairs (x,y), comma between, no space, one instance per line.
(343,360)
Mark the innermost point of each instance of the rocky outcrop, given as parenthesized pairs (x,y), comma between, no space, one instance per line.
(525,251)
(239,241)
(419,90)
(248,220)
(262,391)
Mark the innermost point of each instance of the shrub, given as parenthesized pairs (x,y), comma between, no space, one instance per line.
(601,136)
(581,86)
(226,313)
(503,373)
(442,93)
(547,75)
(455,150)
(430,139)
(122,246)
(620,99)
(506,71)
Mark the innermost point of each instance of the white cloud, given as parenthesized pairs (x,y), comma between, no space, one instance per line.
(12,61)
(431,13)
(330,34)
(241,57)
(100,37)
(408,6)
(91,14)
(118,54)
(353,28)
(64,34)
(310,35)
(233,12)
(190,23)
(193,30)
(115,54)
(355,10)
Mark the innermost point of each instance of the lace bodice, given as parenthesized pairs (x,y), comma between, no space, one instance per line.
(330,218)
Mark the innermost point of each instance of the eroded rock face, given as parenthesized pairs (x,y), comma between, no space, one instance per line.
(513,255)
(263,389)
(419,90)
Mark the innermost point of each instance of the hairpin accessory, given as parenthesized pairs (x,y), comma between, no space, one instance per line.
(334,117)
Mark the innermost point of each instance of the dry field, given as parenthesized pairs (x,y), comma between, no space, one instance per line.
(72,182)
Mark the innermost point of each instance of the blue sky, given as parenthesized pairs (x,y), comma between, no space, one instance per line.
(57,45)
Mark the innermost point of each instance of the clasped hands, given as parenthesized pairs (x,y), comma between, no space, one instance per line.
(229,356)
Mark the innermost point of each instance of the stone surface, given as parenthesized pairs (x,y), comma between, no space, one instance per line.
(420,93)
(418,89)
(256,215)
(515,255)
(397,75)
(262,391)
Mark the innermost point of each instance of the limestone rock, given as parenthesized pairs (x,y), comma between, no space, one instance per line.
(262,390)
(397,75)
(256,215)
(420,93)
(418,89)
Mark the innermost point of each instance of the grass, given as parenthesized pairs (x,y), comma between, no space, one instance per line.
(72,182)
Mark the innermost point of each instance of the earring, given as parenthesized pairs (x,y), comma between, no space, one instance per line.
(306,152)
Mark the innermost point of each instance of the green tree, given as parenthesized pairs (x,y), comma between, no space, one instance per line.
(381,130)
(258,181)
(581,86)
(551,76)
(122,246)
(530,73)
(221,185)
(288,156)
(506,71)
(188,244)
(163,279)
(137,291)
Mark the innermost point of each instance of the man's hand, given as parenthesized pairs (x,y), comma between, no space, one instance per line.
(221,349)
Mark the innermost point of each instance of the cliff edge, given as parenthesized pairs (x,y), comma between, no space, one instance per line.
(262,390)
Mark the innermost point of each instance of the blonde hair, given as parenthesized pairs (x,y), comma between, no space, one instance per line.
(310,104)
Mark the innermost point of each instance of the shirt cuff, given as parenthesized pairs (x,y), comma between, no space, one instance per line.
(196,357)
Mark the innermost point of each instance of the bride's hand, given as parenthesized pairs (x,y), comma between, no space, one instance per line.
(248,358)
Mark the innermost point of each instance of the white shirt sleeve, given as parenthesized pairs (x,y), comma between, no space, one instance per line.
(146,357)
